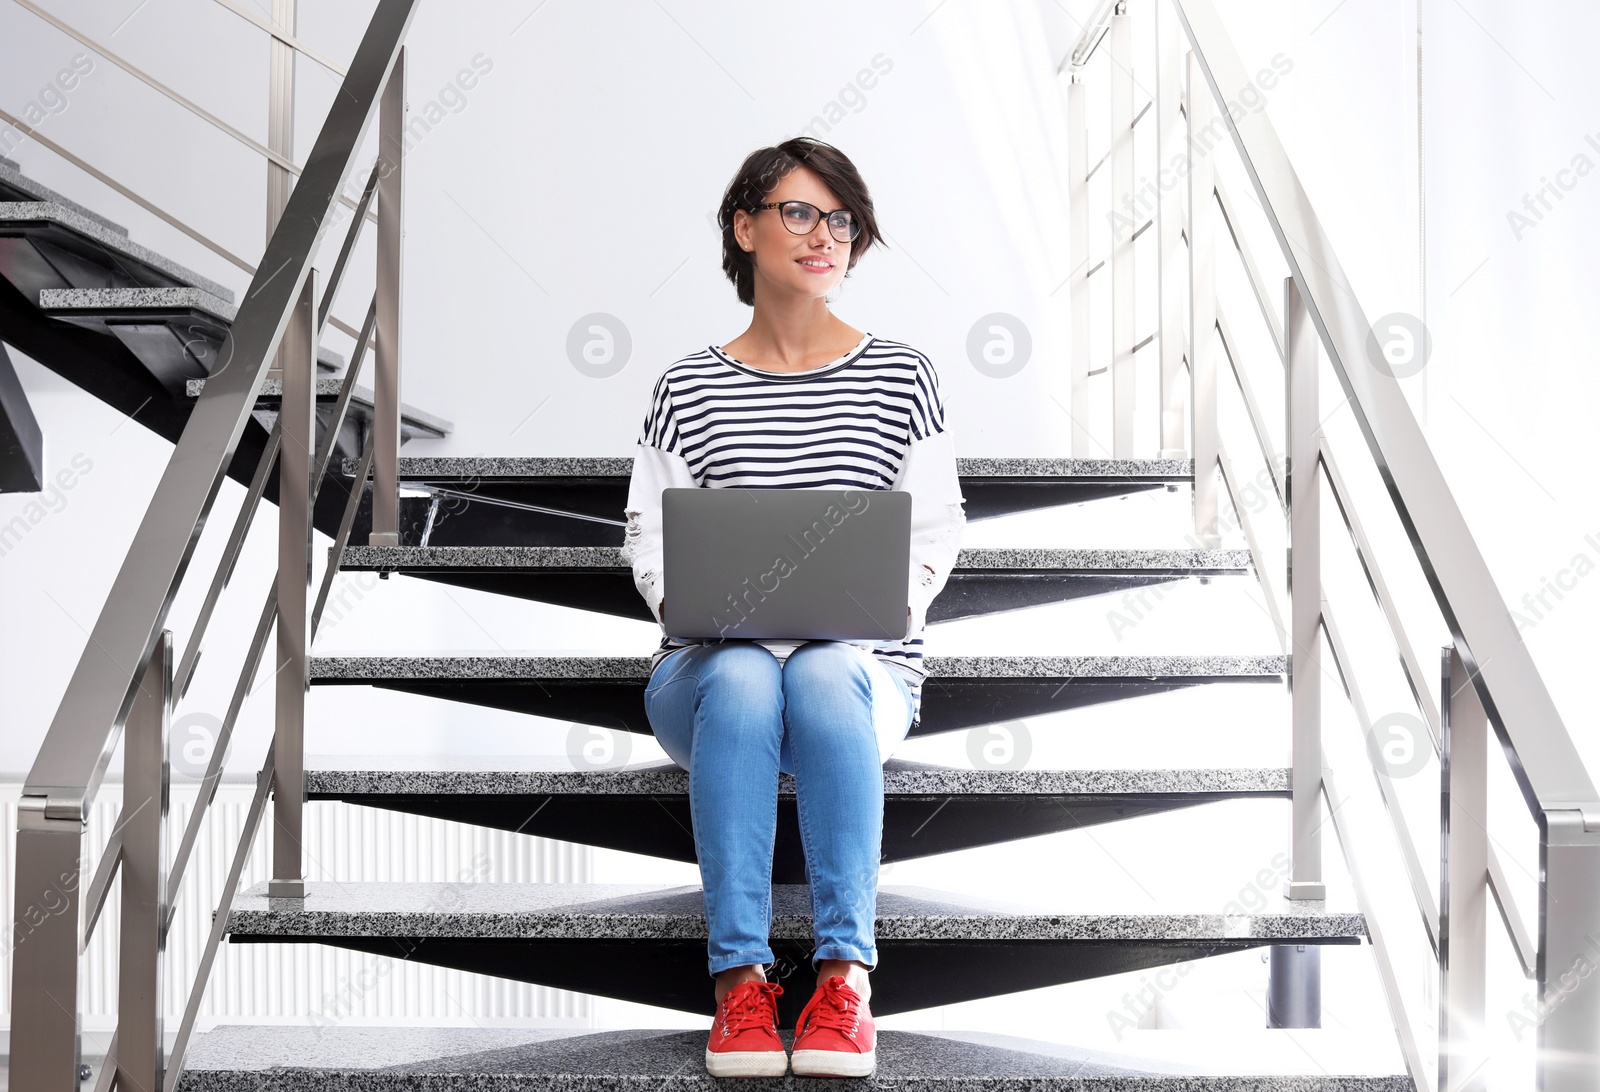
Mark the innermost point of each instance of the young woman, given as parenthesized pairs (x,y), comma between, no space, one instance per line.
(801,399)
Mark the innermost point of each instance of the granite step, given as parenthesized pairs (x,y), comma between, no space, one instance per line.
(985,580)
(106,369)
(927,809)
(173,331)
(49,244)
(55,245)
(596,489)
(960,691)
(414,423)
(18,187)
(646,943)
(243,1058)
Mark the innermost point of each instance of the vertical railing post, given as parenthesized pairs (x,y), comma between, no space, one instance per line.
(386,351)
(45,1051)
(1304,491)
(1569,948)
(1463,879)
(1294,988)
(1078,211)
(294,584)
(280,126)
(1202,303)
(1169,228)
(141,949)
(280,112)
(1127,214)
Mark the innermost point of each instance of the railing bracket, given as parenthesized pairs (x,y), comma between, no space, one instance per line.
(50,808)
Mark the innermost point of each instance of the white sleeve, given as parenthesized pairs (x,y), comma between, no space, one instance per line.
(937,518)
(653,471)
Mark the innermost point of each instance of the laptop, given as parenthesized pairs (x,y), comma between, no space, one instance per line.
(804,564)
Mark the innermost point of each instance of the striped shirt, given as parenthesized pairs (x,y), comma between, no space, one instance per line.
(872,419)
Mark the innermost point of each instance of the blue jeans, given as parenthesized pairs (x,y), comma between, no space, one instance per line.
(732,716)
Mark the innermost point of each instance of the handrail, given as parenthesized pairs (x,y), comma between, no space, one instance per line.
(1547,765)
(213,773)
(252,821)
(112,855)
(1488,676)
(78,745)
(111,858)
(119,681)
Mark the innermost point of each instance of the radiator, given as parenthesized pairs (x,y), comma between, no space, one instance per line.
(310,983)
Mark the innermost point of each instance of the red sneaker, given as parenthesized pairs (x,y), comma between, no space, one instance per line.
(744,1039)
(835,1035)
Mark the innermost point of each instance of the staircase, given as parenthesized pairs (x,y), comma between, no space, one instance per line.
(645,943)
(287,419)
(138,331)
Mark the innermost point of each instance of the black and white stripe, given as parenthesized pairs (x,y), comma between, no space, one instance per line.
(848,424)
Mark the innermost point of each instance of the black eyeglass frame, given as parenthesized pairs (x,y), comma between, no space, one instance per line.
(855,225)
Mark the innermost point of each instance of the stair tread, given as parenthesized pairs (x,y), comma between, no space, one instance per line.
(677,911)
(70,219)
(603,557)
(302,1057)
(510,666)
(588,466)
(328,386)
(552,774)
(11,177)
(124,300)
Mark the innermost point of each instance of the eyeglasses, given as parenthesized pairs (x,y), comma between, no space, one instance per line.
(800,217)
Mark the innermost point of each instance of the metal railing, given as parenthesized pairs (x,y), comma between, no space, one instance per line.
(1485,677)
(125,684)
(278,152)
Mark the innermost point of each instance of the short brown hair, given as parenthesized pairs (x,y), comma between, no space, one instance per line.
(760,174)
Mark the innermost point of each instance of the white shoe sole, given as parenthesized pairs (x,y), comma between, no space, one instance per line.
(833,1063)
(747,1063)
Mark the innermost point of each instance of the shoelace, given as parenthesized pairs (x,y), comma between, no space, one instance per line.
(830,1008)
(745,1007)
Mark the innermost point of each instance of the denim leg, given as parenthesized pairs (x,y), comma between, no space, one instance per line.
(717,710)
(842,709)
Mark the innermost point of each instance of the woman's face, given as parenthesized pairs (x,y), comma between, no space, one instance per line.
(812,264)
